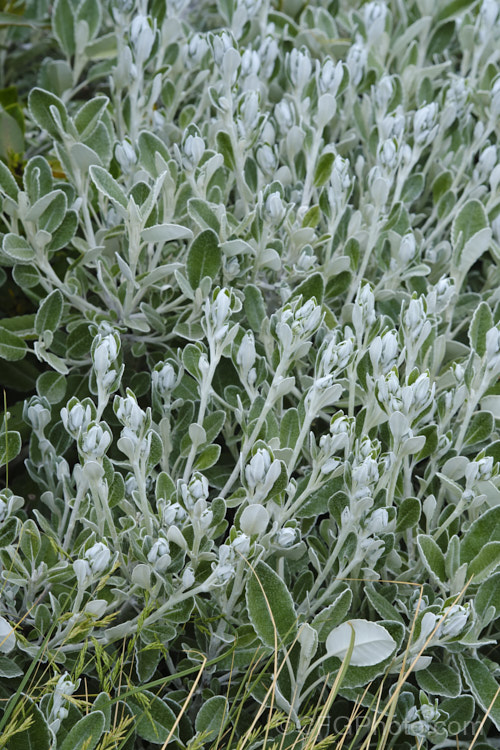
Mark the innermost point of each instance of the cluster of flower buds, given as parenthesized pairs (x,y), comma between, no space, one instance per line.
(363,312)
(63,690)
(295,325)
(218,310)
(96,560)
(105,349)
(261,473)
(159,556)
(194,491)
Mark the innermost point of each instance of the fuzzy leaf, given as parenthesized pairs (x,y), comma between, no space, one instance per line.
(268,599)
(107,185)
(12,347)
(439,679)
(372,642)
(432,557)
(86,733)
(49,313)
(211,717)
(483,686)
(204,257)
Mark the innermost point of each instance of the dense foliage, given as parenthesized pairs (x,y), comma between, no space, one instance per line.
(250,351)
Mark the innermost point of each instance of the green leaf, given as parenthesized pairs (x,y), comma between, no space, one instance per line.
(213,424)
(460,712)
(323,169)
(8,185)
(469,221)
(333,615)
(381,605)
(432,557)
(208,457)
(485,562)
(317,502)
(225,148)
(483,530)
(254,307)
(63,26)
(483,686)
(268,600)
(9,668)
(52,386)
(439,679)
(90,11)
(49,313)
(36,736)
(409,513)
(488,595)
(107,185)
(150,145)
(12,347)
(314,286)
(166,233)
(481,322)
(86,733)
(90,114)
(289,428)
(154,719)
(453,8)
(204,257)
(62,236)
(8,531)
(413,188)
(200,211)
(39,102)
(480,427)
(211,717)
(18,248)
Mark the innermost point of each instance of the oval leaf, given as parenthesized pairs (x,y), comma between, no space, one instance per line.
(86,733)
(270,606)
(372,642)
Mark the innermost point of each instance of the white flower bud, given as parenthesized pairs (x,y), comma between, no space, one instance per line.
(250,63)
(329,75)
(105,353)
(356,60)
(254,519)
(246,356)
(454,623)
(125,155)
(378,521)
(241,544)
(266,159)
(299,67)
(424,124)
(188,577)
(407,248)
(224,569)
(159,556)
(374,15)
(220,44)
(193,148)
(383,92)
(284,115)
(38,414)
(95,441)
(77,418)
(286,537)
(388,154)
(142,37)
(275,209)
(164,379)
(486,162)
(98,557)
(129,412)
(268,53)
(197,489)
(173,514)
(83,573)
(196,49)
